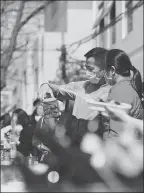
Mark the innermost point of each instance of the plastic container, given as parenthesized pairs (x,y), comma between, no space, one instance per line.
(6,158)
(13,150)
(30,160)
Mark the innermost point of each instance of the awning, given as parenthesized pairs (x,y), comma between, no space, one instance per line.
(103,13)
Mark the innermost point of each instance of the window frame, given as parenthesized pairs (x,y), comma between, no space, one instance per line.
(113,27)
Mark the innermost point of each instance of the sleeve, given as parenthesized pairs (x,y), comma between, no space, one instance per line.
(63,92)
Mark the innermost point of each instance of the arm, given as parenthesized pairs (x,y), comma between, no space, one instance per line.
(128,121)
(61,92)
(38,144)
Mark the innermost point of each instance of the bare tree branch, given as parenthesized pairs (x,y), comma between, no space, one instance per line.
(10,45)
(6,60)
(17,28)
(35,12)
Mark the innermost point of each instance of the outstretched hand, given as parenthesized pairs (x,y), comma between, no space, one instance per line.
(128,121)
(117,114)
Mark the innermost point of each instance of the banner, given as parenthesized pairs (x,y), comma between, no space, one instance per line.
(55,17)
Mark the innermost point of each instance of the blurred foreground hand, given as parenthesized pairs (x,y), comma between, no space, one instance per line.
(128,121)
(125,154)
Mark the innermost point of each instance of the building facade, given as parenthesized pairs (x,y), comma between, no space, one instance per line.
(126,33)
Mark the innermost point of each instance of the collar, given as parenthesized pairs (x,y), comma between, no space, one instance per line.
(123,80)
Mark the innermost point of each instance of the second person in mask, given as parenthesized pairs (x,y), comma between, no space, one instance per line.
(125,88)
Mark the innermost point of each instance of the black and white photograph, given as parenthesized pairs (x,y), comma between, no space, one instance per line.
(72,96)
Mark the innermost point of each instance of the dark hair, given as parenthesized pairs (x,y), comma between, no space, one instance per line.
(22,116)
(36,101)
(99,54)
(6,120)
(121,61)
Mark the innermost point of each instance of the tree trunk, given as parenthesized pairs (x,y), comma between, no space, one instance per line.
(6,58)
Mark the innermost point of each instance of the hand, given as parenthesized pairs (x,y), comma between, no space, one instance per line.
(44,148)
(128,121)
(129,147)
(117,114)
(17,142)
(124,158)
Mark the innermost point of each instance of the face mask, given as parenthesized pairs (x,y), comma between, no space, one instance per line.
(92,77)
(109,80)
(37,118)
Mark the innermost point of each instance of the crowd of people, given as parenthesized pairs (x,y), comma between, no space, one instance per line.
(103,151)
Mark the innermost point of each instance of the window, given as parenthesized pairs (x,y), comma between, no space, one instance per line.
(112,20)
(124,21)
(101,27)
(102,35)
(129,10)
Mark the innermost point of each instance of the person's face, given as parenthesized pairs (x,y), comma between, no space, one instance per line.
(93,71)
(39,109)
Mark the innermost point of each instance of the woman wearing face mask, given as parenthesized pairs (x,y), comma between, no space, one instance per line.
(95,65)
(124,88)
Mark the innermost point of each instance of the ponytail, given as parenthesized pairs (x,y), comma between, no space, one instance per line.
(137,81)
